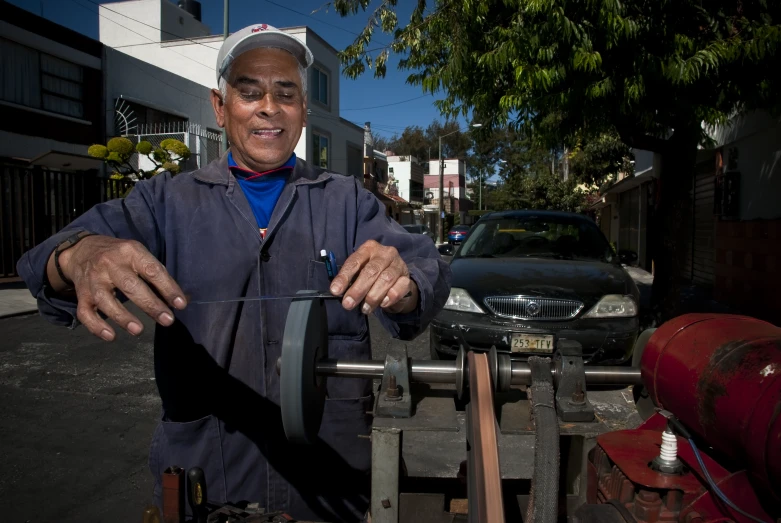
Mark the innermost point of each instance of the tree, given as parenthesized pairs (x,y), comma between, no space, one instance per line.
(656,73)
(381,143)
(599,160)
(424,143)
(118,152)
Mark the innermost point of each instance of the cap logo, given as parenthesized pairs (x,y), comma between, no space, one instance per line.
(261,27)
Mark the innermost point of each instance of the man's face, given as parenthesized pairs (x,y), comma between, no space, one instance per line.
(265,109)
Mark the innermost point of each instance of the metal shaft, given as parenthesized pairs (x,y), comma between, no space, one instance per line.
(438,371)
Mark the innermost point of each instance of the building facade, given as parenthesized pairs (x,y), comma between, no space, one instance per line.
(164,35)
(455,200)
(50,96)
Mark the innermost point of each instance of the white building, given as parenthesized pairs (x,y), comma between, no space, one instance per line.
(454,179)
(162,34)
(408,173)
(144,102)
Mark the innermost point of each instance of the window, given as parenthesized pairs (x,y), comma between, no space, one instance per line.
(320,150)
(390,170)
(29,77)
(319,86)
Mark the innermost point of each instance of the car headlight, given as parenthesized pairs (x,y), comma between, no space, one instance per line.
(461,301)
(613,306)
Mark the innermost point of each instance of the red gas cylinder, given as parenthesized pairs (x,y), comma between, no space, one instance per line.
(721,376)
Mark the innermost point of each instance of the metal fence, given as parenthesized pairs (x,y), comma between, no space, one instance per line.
(36,203)
(204,143)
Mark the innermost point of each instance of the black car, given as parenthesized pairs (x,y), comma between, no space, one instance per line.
(524,279)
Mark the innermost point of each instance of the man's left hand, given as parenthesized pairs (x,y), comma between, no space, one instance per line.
(380,279)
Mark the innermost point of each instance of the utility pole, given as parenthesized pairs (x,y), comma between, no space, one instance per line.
(225,20)
(441,193)
(480,200)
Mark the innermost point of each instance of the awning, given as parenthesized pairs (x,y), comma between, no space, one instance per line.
(632,182)
(61,161)
(393,198)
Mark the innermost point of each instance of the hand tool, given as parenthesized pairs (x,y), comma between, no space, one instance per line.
(196,490)
(312,296)
(173,495)
(151,515)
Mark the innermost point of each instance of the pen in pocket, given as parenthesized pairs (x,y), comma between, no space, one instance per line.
(330,263)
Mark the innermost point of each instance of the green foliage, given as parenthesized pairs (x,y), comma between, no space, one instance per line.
(121,146)
(424,143)
(176,148)
(118,152)
(144,147)
(599,161)
(98,151)
(115,157)
(172,167)
(541,191)
(637,67)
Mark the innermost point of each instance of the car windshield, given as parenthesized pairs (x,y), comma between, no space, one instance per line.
(416,229)
(562,237)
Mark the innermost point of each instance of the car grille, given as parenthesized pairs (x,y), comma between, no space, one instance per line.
(533,307)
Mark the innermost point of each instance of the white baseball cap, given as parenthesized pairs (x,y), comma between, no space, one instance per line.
(256,36)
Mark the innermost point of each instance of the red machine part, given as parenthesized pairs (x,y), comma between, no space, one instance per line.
(619,472)
(721,376)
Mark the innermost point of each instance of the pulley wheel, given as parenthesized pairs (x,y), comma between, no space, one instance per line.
(493,366)
(643,402)
(302,392)
(460,372)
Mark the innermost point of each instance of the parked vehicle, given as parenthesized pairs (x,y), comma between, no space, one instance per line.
(421,229)
(525,279)
(457,234)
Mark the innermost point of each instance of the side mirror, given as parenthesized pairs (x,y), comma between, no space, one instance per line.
(446,249)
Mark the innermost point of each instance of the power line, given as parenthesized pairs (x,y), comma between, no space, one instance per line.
(150,26)
(140,69)
(386,105)
(317,19)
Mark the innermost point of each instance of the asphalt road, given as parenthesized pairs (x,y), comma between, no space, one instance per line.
(77,416)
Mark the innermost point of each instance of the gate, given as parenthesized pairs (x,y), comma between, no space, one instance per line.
(36,203)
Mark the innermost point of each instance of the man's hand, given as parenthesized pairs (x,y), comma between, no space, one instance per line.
(98,265)
(380,278)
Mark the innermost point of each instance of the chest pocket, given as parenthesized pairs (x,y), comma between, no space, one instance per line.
(342,324)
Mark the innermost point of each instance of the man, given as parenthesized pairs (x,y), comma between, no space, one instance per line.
(251,223)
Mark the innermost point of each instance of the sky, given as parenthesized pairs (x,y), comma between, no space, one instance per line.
(404,104)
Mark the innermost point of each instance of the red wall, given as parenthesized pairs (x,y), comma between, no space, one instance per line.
(748,267)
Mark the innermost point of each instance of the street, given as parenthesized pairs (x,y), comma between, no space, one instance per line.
(77,417)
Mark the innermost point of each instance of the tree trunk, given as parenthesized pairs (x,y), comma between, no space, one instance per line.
(669,232)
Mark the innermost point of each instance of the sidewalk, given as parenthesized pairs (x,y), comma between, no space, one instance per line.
(15,299)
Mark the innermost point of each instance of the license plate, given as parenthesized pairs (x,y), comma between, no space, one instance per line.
(531,343)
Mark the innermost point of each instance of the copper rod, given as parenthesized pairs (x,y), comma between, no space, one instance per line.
(486,445)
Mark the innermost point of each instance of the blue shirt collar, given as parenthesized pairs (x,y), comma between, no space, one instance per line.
(233,166)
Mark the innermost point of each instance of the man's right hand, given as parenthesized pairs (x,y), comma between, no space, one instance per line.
(98,266)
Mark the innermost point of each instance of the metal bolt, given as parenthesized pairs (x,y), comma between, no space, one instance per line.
(578,397)
(385,503)
(393,393)
(648,495)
